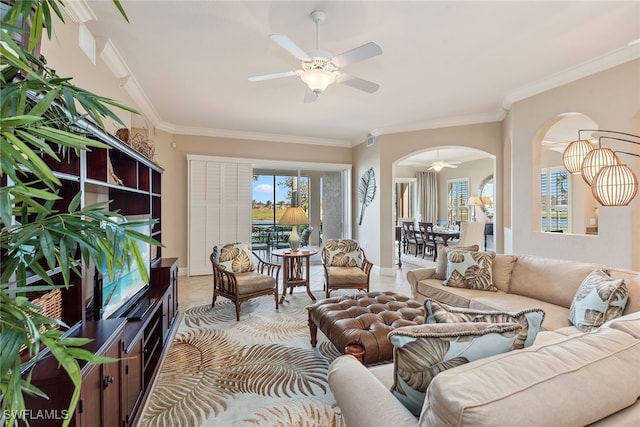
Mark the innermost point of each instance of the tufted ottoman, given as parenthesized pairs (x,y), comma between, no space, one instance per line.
(358,324)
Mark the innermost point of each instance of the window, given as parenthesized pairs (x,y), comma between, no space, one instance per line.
(272,194)
(554,203)
(458,194)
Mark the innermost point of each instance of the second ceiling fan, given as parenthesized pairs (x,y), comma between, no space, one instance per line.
(319,68)
(438,164)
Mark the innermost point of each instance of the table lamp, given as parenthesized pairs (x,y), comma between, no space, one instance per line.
(473,202)
(294,216)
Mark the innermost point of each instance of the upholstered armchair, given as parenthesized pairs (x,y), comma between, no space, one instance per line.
(236,277)
(345,266)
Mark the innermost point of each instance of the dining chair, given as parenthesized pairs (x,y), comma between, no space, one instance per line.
(412,237)
(236,277)
(471,233)
(428,241)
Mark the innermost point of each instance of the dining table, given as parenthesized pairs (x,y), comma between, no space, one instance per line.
(443,236)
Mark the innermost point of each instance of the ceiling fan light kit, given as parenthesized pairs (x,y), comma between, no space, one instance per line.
(319,68)
(318,79)
(438,164)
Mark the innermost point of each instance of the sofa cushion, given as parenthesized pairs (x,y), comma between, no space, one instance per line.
(235,257)
(470,269)
(421,352)
(598,300)
(457,297)
(530,319)
(441,263)
(343,253)
(550,280)
(632,281)
(502,267)
(555,316)
(578,380)
(629,323)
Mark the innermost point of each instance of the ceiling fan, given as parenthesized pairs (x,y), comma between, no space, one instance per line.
(320,68)
(438,165)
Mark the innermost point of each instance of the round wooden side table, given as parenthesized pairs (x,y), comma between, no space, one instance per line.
(295,266)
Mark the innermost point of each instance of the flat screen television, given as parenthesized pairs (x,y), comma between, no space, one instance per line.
(114,294)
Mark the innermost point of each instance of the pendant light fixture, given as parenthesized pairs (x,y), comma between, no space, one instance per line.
(576,151)
(612,183)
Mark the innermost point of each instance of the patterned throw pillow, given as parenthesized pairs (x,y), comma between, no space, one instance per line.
(472,270)
(235,257)
(530,320)
(599,299)
(441,262)
(421,352)
(343,253)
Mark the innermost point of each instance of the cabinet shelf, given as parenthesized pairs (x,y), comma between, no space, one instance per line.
(132,183)
(96,184)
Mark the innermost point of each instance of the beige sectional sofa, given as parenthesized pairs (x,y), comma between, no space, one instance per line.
(567,377)
(524,282)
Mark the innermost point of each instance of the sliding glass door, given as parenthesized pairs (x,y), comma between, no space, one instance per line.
(323,196)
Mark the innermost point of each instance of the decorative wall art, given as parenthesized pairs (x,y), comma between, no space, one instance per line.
(366,190)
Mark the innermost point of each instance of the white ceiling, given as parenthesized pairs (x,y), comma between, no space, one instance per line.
(444,62)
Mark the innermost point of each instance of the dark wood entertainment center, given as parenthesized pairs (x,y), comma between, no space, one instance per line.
(112,394)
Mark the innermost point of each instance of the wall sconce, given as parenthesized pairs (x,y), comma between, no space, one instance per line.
(612,183)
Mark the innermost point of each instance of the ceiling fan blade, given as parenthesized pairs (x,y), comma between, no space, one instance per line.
(449,165)
(287,44)
(366,51)
(357,82)
(273,76)
(310,96)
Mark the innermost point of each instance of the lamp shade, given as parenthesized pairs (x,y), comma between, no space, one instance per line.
(474,201)
(294,216)
(318,79)
(575,153)
(595,160)
(614,185)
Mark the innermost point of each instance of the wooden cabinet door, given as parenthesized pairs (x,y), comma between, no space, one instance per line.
(111,386)
(132,379)
(88,410)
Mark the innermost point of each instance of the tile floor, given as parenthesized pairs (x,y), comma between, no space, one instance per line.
(199,288)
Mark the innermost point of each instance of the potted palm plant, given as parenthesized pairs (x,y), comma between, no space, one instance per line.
(39,110)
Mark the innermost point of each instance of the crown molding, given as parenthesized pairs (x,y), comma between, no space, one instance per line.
(445,122)
(253,136)
(593,66)
(79,11)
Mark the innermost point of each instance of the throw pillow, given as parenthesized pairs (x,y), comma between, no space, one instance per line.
(599,299)
(421,352)
(472,270)
(441,262)
(530,320)
(343,253)
(235,257)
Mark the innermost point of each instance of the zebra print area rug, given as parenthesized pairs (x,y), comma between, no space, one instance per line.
(261,371)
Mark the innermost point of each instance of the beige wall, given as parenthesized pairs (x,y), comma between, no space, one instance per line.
(391,148)
(610,98)
(175,177)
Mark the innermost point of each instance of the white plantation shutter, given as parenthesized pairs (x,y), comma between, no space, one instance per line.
(457,196)
(219,207)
